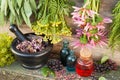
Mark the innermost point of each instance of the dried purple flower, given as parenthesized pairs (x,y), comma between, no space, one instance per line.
(33,46)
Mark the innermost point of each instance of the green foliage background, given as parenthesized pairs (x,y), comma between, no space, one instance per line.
(114,38)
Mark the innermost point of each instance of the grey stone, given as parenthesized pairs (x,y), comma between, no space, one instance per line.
(17,72)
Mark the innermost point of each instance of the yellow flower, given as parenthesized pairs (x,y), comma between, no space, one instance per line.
(46,25)
(42,25)
(56,39)
(39,24)
(56,23)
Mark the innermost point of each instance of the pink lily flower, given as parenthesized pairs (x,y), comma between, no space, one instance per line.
(75,14)
(79,32)
(87,27)
(107,20)
(76,8)
(91,13)
(78,20)
(100,26)
(92,42)
(88,35)
(81,20)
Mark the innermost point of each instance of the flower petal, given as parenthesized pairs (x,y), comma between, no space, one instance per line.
(107,20)
(91,13)
(76,8)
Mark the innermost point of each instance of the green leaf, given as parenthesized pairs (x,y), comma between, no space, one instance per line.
(53,6)
(72,3)
(1,18)
(11,6)
(18,20)
(19,2)
(98,18)
(93,31)
(13,3)
(52,74)
(12,18)
(27,9)
(33,5)
(26,19)
(40,9)
(6,6)
(83,39)
(41,3)
(47,72)
(39,15)
(104,59)
(17,10)
(95,38)
(2,7)
(102,78)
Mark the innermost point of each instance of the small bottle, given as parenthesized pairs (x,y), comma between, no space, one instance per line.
(64,52)
(71,59)
(84,64)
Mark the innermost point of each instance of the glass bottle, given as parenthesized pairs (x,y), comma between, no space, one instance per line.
(84,64)
(71,59)
(64,52)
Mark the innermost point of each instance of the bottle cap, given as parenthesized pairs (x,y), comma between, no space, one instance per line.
(85,53)
(71,52)
(65,42)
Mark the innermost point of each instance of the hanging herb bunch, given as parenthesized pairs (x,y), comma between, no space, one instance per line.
(114,38)
(91,29)
(52,22)
(17,11)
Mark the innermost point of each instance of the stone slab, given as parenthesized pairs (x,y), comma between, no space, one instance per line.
(17,72)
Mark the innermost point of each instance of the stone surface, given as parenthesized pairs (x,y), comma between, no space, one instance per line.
(17,72)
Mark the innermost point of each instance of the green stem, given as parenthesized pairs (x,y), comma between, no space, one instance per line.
(46,4)
(61,15)
(58,5)
(94,22)
(85,1)
(98,4)
(93,5)
(54,29)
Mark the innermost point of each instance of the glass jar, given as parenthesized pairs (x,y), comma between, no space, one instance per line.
(84,64)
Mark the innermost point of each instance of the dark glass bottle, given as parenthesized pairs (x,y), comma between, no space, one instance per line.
(71,60)
(84,64)
(64,52)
